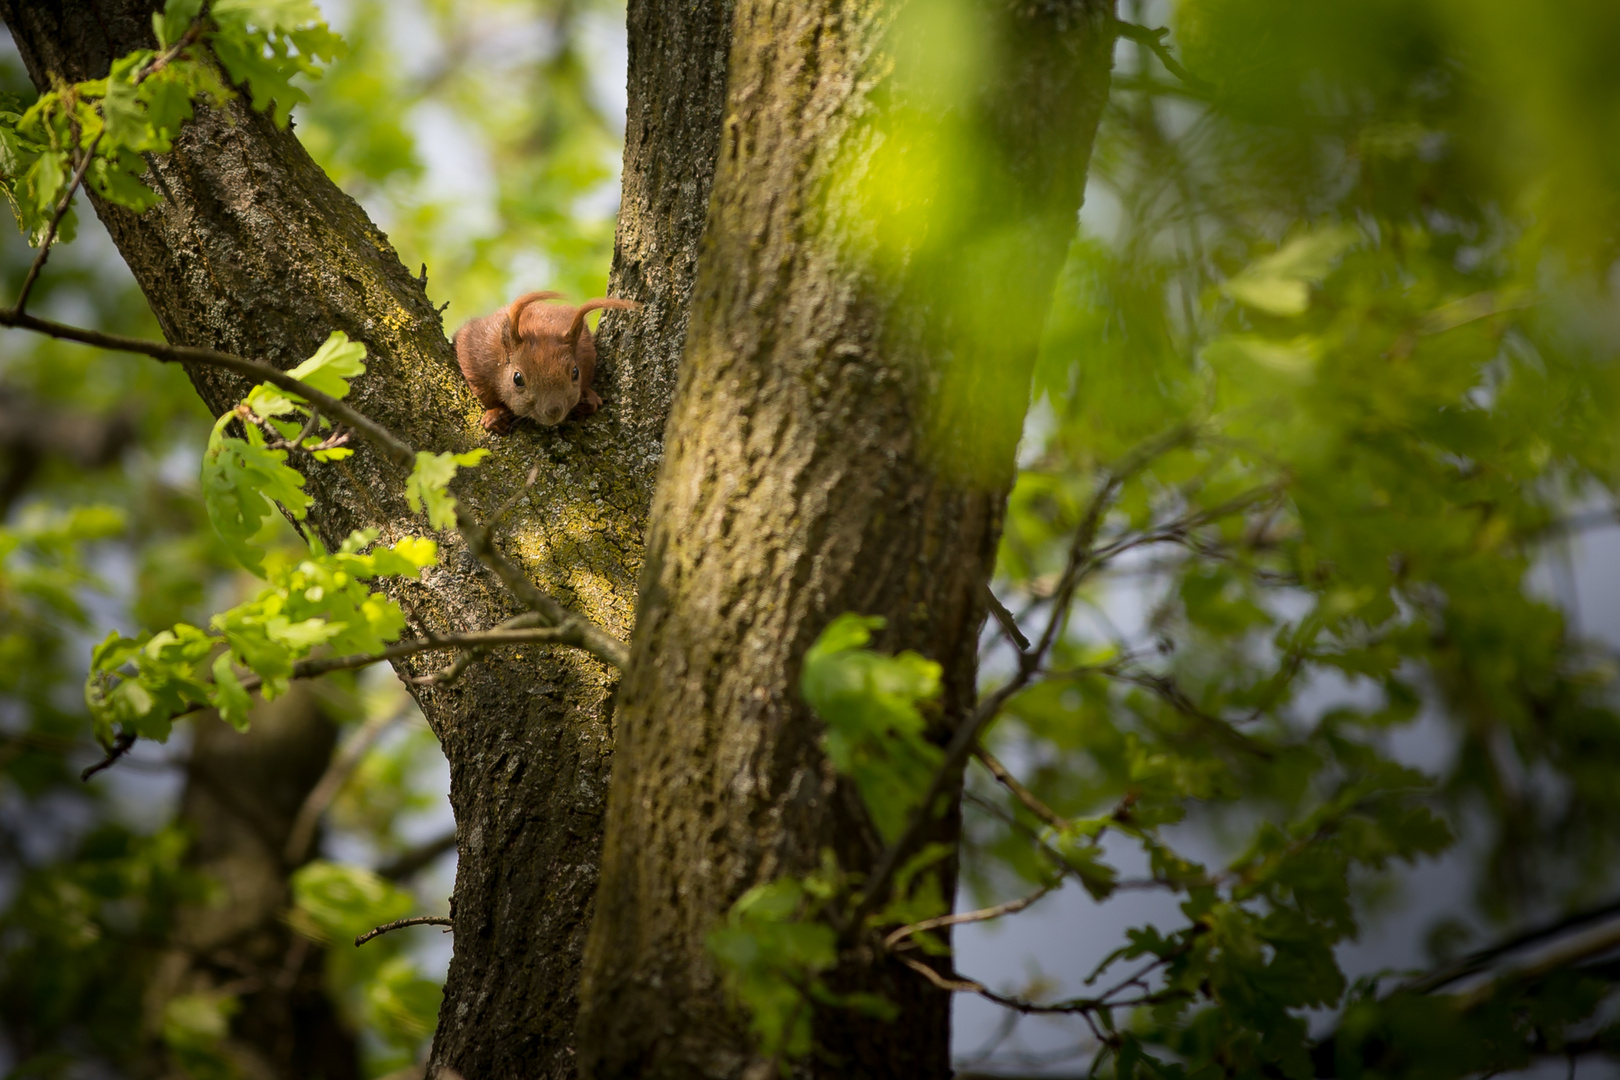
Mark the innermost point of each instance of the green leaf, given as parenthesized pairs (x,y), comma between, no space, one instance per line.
(427,488)
(769,954)
(336,362)
(875,730)
(267,43)
(333,902)
(241,481)
(229,698)
(174,20)
(1279,284)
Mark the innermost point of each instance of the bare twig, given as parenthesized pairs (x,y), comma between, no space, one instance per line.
(122,743)
(326,789)
(1020,792)
(982,915)
(399,924)
(517,497)
(571,629)
(1479,961)
(473,653)
(1005,619)
(394,448)
(1173,695)
(1153,38)
(957,983)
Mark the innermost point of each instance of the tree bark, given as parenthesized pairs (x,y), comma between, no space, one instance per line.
(854,379)
(254,251)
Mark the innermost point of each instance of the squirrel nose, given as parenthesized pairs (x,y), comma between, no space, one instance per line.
(554,416)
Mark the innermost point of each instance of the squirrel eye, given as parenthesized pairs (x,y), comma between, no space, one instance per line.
(576,372)
(517,378)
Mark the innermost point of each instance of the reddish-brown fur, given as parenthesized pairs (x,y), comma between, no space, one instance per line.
(532,359)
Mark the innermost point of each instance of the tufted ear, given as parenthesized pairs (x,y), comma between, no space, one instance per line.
(514,312)
(589,306)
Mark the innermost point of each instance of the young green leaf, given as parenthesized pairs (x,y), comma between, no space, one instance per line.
(427,488)
(875,729)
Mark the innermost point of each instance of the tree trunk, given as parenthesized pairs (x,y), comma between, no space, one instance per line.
(882,242)
(254,251)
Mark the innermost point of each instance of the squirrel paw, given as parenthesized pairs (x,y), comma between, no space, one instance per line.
(589,402)
(497,421)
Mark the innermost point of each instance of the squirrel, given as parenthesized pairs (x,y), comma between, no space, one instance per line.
(532,359)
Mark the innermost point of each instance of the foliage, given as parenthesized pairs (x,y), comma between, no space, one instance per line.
(874,726)
(427,489)
(1329,388)
(102,127)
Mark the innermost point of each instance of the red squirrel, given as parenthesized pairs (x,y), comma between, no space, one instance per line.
(532,359)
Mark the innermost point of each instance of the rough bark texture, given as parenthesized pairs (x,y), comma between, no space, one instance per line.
(856,367)
(253,250)
(242,794)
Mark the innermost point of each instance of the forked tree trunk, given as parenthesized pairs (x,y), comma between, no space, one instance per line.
(253,250)
(803,480)
(854,379)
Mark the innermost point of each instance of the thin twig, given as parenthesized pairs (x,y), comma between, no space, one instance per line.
(1174,696)
(56,221)
(395,449)
(1005,619)
(308,669)
(1477,962)
(571,629)
(399,924)
(469,656)
(517,497)
(408,862)
(982,915)
(1154,39)
(961,984)
(1020,792)
(123,742)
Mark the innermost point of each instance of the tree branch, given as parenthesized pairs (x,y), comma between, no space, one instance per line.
(399,924)
(572,629)
(1153,38)
(394,448)
(982,915)
(958,983)
(1020,792)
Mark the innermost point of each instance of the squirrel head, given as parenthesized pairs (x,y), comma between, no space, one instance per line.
(544,346)
(539,373)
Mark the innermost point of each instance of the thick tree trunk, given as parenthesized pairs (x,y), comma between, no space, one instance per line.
(850,397)
(253,250)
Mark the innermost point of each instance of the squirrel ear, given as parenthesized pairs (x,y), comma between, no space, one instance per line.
(574,328)
(511,333)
